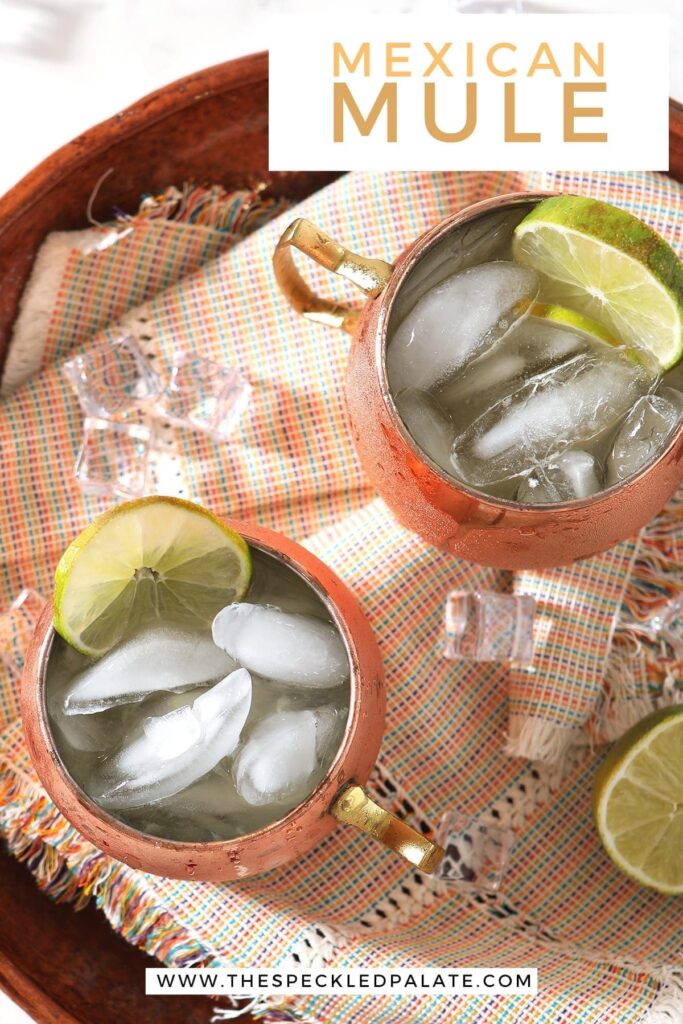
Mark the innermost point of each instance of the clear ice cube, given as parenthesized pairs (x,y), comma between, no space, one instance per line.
(160,761)
(429,424)
(154,660)
(567,477)
(204,395)
(567,405)
(477,851)
(534,345)
(205,811)
(644,432)
(85,733)
(455,320)
(214,794)
(113,378)
(282,759)
(173,733)
(299,650)
(113,458)
(482,625)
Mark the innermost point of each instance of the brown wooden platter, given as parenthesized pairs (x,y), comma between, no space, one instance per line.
(64,967)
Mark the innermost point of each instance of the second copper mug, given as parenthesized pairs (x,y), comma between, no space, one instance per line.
(425,499)
(339,797)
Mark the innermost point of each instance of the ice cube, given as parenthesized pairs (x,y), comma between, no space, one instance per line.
(172,734)
(114,458)
(156,821)
(282,759)
(479,241)
(208,810)
(430,425)
(113,378)
(156,659)
(204,395)
(566,405)
(567,477)
(644,432)
(296,649)
(172,751)
(531,347)
(455,320)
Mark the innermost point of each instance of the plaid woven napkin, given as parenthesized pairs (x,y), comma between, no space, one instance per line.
(605,949)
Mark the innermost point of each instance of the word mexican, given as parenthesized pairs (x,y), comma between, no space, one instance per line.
(452,76)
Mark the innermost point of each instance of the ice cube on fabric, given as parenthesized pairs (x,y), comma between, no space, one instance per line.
(172,751)
(457,318)
(567,405)
(156,659)
(644,432)
(299,650)
(279,760)
(570,476)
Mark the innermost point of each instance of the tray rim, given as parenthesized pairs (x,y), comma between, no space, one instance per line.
(151,108)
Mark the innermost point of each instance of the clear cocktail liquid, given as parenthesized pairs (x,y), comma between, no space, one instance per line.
(144,729)
(505,397)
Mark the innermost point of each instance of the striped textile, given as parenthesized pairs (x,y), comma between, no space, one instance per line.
(606,950)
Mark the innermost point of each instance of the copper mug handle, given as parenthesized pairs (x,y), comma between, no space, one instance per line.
(370,275)
(353,806)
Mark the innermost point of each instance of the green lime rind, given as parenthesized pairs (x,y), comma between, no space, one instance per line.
(608,264)
(618,228)
(630,751)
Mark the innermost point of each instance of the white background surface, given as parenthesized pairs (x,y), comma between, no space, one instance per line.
(67,64)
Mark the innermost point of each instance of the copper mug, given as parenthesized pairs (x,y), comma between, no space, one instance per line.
(339,797)
(491,531)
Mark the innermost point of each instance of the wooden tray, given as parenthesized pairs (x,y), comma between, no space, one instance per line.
(63,967)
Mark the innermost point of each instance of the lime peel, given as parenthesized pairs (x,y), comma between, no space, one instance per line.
(607,264)
(640,786)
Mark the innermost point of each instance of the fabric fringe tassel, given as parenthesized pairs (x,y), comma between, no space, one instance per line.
(645,669)
(264,1009)
(31,824)
(34,830)
(667,1006)
(538,740)
(235,213)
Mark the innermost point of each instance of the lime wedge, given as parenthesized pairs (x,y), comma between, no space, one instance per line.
(638,801)
(607,264)
(159,558)
(573,320)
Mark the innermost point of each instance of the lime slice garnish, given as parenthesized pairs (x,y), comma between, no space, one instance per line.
(607,264)
(573,320)
(160,558)
(638,801)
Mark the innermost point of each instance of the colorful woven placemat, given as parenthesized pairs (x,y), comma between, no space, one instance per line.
(605,949)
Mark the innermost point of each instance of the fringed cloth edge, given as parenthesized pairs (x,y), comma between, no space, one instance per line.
(87,874)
